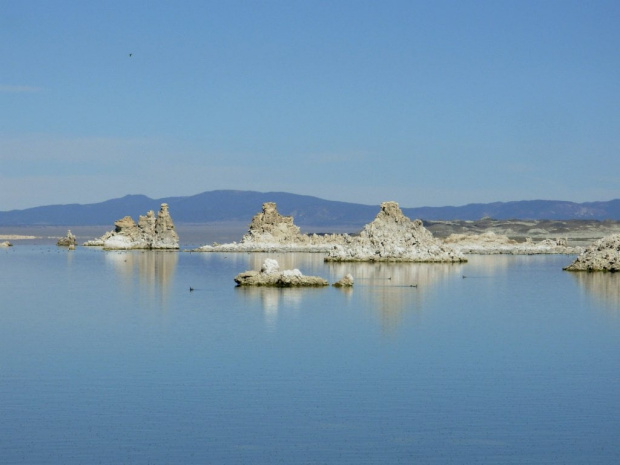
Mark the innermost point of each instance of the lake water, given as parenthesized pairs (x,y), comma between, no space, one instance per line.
(107,357)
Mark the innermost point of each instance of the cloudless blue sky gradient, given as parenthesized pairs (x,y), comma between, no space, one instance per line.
(428,103)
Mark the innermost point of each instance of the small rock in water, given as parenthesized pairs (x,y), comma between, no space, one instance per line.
(271,276)
(346,281)
(67,241)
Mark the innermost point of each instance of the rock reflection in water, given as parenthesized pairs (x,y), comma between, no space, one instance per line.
(487,266)
(272,299)
(389,289)
(395,288)
(605,287)
(154,270)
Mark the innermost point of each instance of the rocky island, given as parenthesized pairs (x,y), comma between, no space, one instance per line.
(151,232)
(270,231)
(270,275)
(392,237)
(603,255)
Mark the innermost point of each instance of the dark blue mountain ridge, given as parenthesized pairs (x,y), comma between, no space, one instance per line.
(241,206)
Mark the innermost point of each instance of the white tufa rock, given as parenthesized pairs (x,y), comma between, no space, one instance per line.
(270,231)
(394,237)
(271,276)
(346,281)
(390,237)
(151,232)
(270,266)
(67,241)
(603,255)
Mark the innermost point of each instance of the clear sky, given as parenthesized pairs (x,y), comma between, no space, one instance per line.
(428,103)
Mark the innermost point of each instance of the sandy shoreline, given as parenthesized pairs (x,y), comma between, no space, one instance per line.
(16,237)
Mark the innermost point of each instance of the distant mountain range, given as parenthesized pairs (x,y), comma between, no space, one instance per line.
(241,206)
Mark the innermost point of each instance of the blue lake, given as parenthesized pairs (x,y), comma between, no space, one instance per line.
(107,357)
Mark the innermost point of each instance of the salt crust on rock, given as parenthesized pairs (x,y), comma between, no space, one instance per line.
(270,275)
(490,243)
(392,237)
(149,233)
(603,255)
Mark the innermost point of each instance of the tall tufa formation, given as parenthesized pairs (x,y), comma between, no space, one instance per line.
(269,227)
(164,234)
(391,236)
(270,231)
(150,232)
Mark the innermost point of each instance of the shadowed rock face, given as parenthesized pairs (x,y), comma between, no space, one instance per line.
(391,236)
(150,232)
(603,255)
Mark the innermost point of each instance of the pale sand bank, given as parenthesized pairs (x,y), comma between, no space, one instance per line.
(16,237)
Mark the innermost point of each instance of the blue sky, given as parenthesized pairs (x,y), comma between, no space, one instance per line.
(428,103)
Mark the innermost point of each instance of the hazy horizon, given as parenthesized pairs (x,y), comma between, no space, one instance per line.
(402,205)
(426,103)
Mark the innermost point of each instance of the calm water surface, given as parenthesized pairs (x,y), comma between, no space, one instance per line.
(107,357)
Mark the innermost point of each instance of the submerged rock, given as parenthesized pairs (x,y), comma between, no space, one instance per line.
(393,237)
(603,255)
(270,275)
(67,241)
(151,232)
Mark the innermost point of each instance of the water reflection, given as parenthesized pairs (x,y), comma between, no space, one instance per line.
(153,270)
(487,266)
(394,289)
(390,290)
(604,287)
(273,299)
